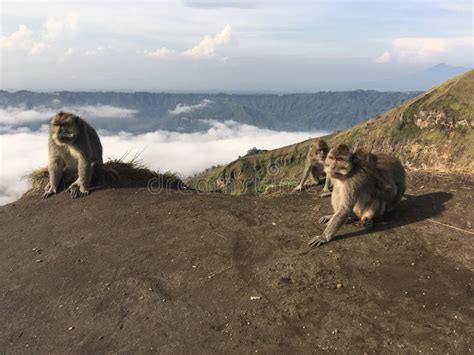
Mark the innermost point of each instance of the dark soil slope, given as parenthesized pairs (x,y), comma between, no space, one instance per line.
(128,271)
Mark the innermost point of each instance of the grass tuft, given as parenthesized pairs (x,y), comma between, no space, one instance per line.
(115,173)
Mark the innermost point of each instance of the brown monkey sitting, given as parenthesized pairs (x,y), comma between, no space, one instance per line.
(314,165)
(364,184)
(73,145)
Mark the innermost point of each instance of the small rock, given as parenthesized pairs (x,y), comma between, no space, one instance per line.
(274,224)
(70,328)
(194,266)
(339,285)
(412,264)
(39,260)
(253,298)
(335,331)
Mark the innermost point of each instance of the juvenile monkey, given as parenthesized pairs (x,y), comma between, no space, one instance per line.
(314,164)
(365,185)
(75,146)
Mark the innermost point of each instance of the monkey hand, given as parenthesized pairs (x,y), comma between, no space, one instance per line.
(48,191)
(317,241)
(75,191)
(298,188)
(325,219)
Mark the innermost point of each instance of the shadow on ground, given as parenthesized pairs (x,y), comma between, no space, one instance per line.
(414,208)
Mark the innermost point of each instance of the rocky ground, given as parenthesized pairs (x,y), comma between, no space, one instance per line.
(124,270)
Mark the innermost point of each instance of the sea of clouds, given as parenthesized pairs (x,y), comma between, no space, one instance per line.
(23,150)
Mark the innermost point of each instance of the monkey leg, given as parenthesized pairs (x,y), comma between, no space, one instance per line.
(376,209)
(306,172)
(326,191)
(55,171)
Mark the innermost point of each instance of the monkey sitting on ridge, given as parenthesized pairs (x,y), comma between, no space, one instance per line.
(314,164)
(75,146)
(364,184)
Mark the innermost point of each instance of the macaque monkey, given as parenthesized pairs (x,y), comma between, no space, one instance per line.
(314,165)
(75,146)
(365,185)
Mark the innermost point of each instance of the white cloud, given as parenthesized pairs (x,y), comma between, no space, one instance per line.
(183,108)
(101,111)
(187,153)
(26,40)
(427,49)
(14,164)
(206,48)
(58,28)
(21,39)
(16,115)
(384,58)
(99,51)
(37,48)
(161,53)
(69,52)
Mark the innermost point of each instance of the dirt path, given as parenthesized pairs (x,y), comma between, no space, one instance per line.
(129,271)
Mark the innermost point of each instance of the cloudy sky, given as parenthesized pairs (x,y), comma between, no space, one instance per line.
(246,45)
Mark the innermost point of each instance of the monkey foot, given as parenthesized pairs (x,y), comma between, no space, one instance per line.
(76,192)
(368,223)
(317,241)
(48,193)
(325,219)
(298,188)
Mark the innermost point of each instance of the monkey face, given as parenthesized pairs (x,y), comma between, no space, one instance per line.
(64,127)
(339,162)
(318,150)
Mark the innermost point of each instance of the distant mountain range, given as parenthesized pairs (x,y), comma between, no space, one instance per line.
(139,112)
(421,80)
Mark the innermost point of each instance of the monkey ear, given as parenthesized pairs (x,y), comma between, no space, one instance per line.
(76,118)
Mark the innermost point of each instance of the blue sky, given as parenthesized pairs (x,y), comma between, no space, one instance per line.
(200,45)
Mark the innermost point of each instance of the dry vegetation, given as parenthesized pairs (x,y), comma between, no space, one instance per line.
(116,173)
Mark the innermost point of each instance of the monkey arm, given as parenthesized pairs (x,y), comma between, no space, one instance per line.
(336,221)
(306,171)
(80,187)
(55,172)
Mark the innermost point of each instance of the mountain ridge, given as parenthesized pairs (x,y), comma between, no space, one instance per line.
(434,130)
(158,111)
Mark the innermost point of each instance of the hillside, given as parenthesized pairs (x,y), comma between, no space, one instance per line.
(128,271)
(433,131)
(140,112)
